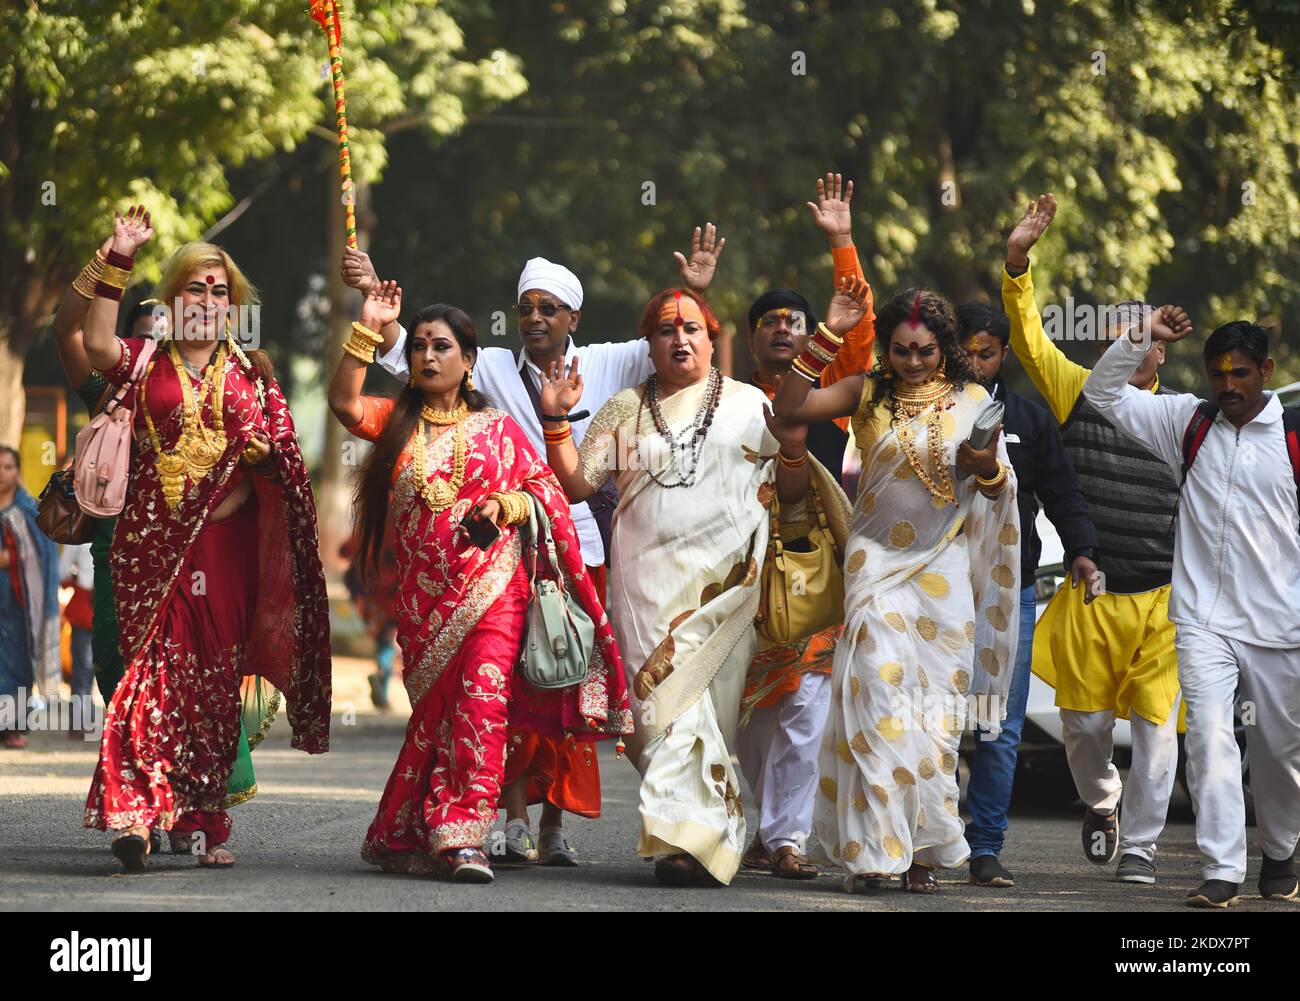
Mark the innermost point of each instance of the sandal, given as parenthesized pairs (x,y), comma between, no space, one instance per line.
(756,856)
(132,849)
(787,863)
(683,870)
(468,865)
(920,879)
(181,844)
(217,861)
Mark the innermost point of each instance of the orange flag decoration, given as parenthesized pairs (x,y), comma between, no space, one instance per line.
(329,14)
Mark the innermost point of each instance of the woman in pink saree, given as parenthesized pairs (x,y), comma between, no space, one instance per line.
(442,455)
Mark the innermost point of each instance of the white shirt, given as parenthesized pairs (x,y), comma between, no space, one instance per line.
(606,369)
(1237,547)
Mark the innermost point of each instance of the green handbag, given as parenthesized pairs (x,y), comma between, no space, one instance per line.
(561,635)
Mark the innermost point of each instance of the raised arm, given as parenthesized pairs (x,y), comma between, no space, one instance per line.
(1059,379)
(358,272)
(383,305)
(560,392)
(831,212)
(1156,421)
(796,399)
(72,313)
(99,338)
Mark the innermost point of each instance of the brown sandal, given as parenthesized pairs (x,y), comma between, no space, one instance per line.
(789,864)
(756,856)
(217,863)
(920,879)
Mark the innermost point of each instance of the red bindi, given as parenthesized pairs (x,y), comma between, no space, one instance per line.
(914,346)
(679,321)
(209,279)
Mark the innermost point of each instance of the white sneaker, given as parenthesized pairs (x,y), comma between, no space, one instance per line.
(555,848)
(518,845)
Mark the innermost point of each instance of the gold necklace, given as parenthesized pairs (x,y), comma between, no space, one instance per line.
(910,402)
(439,494)
(199,448)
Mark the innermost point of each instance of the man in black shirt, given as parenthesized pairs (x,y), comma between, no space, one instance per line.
(1043,473)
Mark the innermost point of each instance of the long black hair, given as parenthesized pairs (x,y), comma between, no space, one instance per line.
(936,313)
(376,474)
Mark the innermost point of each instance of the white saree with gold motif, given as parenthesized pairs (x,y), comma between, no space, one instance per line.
(931,606)
(683,591)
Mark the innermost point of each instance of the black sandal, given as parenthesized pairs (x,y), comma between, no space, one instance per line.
(131,850)
(924,882)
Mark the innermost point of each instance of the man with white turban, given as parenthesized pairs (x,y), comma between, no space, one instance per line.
(549,306)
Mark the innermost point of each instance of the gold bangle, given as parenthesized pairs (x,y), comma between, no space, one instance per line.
(792,463)
(115,276)
(803,369)
(84,283)
(366,334)
(993,480)
(363,353)
(820,352)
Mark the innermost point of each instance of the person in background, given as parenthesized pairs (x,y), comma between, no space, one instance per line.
(1236,587)
(1114,656)
(29,599)
(77,571)
(1043,473)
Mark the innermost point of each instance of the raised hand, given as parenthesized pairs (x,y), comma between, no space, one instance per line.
(831,210)
(383,305)
(706,248)
(848,305)
(131,231)
(561,389)
(1169,323)
(356,270)
(1039,215)
(792,437)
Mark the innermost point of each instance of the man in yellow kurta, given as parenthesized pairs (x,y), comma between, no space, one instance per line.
(1112,656)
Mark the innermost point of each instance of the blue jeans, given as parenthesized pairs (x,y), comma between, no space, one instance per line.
(993,766)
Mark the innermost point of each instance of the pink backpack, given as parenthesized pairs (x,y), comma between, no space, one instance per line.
(103,462)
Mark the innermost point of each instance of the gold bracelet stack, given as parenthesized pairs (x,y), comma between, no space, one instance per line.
(114,276)
(516,508)
(795,463)
(995,485)
(820,352)
(84,283)
(361,343)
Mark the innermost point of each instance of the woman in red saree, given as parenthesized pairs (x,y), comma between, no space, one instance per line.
(461,610)
(215,565)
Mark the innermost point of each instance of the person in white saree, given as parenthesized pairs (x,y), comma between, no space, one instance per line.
(931,597)
(695,459)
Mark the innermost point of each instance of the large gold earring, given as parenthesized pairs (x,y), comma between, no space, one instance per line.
(469,380)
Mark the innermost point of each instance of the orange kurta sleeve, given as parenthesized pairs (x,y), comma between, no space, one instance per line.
(375,411)
(855,355)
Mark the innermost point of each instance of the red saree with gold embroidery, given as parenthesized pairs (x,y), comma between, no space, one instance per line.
(201,603)
(461,620)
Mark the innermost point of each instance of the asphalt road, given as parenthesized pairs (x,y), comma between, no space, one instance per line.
(298,844)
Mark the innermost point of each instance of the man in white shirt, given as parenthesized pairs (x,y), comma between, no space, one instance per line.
(549,309)
(1236,588)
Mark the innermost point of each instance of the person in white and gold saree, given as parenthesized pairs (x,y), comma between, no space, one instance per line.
(931,595)
(695,459)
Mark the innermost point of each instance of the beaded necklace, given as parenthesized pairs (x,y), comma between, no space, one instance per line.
(692,443)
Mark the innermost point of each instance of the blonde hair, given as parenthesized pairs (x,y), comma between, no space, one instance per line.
(198,254)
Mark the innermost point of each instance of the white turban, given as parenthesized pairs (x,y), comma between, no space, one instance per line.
(541,274)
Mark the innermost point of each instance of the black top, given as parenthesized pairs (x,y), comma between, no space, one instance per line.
(1043,473)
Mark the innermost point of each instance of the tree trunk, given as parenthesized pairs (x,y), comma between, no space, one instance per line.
(13,403)
(334,484)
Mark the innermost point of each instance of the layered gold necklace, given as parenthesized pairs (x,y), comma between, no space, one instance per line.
(199,447)
(439,494)
(910,402)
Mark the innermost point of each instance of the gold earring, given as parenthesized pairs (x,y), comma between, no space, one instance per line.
(469,380)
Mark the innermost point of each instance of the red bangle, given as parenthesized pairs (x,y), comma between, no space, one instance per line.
(120,260)
(102,288)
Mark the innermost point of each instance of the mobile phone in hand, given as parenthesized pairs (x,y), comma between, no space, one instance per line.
(481,531)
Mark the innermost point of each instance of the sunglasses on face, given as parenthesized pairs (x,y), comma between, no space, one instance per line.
(547,309)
